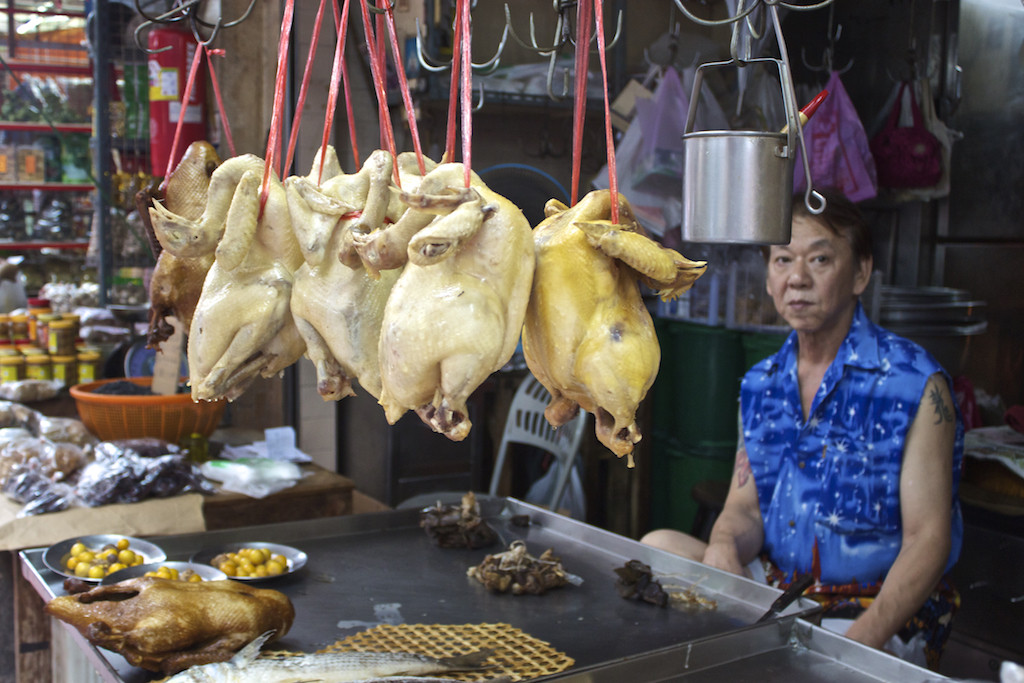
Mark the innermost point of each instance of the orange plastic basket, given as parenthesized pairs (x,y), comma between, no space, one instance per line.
(171,418)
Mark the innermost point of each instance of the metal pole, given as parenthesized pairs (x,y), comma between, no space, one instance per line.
(100,38)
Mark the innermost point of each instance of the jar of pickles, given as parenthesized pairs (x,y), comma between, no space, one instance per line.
(88,365)
(5,326)
(38,367)
(65,369)
(43,322)
(60,337)
(19,327)
(12,367)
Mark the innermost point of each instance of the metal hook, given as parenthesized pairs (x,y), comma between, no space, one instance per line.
(561,36)
(551,75)
(488,67)
(194,25)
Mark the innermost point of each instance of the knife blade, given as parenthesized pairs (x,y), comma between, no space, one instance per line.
(789,596)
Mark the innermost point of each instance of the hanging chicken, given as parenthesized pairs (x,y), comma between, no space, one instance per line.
(178,280)
(588,337)
(456,312)
(243,325)
(338,307)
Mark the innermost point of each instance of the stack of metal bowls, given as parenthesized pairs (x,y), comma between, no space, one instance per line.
(940,319)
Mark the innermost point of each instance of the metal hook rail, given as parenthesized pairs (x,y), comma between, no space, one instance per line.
(187,11)
(744,13)
(562,37)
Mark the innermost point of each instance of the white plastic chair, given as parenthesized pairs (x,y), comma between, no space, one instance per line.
(527,425)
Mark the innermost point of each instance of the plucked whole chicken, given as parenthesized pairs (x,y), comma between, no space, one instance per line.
(455,313)
(337,303)
(243,326)
(167,626)
(587,336)
(178,280)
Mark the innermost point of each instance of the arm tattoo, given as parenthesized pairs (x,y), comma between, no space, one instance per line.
(943,413)
(742,468)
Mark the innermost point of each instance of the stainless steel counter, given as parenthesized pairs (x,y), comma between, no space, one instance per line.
(374,568)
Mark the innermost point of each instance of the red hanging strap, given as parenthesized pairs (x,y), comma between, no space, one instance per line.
(580,92)
(274,140)
(609,141)
(378,75)
(467,92)
(303,89)
(339,75)
(219,52)
(453,91)
(403,86)
(197,56)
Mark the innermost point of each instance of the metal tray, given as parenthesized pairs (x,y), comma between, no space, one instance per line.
(784,651)
(364,570)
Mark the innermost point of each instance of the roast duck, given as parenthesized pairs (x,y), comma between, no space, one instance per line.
(587,337)
(178,280)
(167,626)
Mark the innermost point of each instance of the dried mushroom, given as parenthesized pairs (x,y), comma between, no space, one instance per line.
(457,526)
(518,572)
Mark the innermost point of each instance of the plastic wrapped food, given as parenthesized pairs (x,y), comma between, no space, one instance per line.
(64,429)
(55,460)
(29,390)
(29,484)
(147,446)
(123,476)
(14,414)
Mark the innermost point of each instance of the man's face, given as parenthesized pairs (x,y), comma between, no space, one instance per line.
(815,279)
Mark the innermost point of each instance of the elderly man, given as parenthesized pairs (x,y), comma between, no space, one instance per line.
(850,454)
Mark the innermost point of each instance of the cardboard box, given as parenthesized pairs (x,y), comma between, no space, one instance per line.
(623,109)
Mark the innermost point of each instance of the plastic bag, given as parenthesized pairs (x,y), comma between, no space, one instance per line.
(662,119)
(838,151)
(254,477)
(944,135)
(906,155)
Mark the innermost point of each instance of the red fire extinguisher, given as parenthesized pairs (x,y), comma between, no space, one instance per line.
(168,73)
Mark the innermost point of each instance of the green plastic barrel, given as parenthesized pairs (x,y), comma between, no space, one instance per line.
(759,345)
(695,394)
(674,471)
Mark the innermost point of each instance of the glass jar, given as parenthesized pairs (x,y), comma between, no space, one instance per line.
(33,320)
(60,337)
(88,366)
(12,367)
(38,367)
(19,327)
(5,326)
(43,322)
(65,369)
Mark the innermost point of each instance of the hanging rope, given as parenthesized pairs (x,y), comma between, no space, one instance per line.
(403,86)
(609,141)
(339,74)
(222,113)
(197,57)
(303,88)
(453,90)
(377,74)
(274,140)
(467,91)
(583,9)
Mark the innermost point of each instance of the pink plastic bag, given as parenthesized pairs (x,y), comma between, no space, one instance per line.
(837,148)
(662,119)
